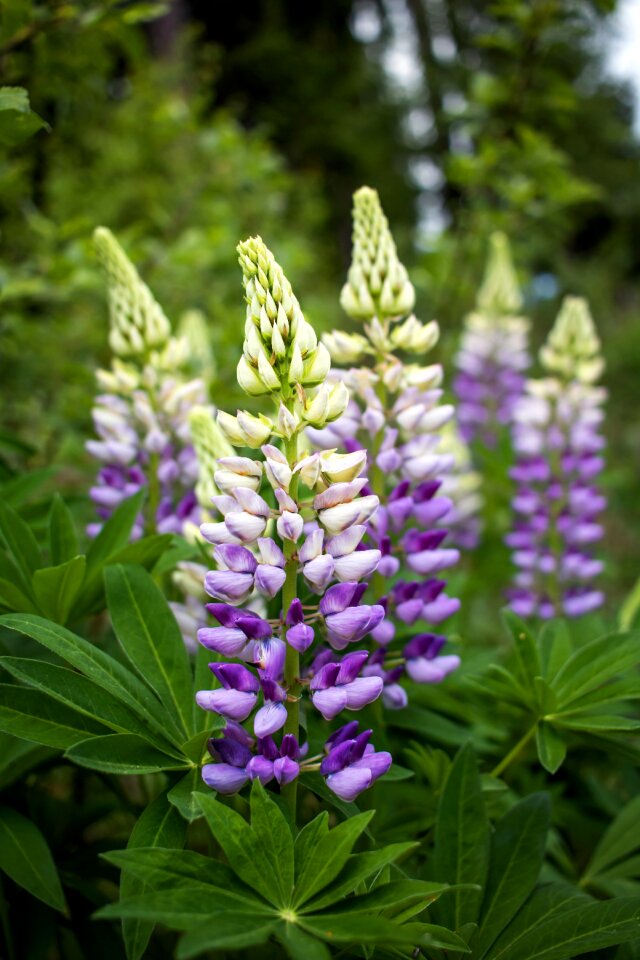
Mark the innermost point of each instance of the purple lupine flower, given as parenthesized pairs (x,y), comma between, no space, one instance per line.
(346,620)
(233,582)
(232,755)
(273,715)
(299,635)
(394,696)
(424,663)
(237,696)
(238,631)
(352,764)
(338,686)
(559,455)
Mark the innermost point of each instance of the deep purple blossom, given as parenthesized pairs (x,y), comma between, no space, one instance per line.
(352,764)
(347,621)
(338,686)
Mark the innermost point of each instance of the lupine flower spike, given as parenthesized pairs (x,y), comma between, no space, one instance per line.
(140,415)
(396,419)
(493,357)
(287,532)
(559,446)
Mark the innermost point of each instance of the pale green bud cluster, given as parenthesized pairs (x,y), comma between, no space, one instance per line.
(138,323)
(377,283)
(281,350)
(499,293)
(210,444)
(572,349)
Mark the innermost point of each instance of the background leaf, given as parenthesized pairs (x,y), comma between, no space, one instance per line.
(26,858)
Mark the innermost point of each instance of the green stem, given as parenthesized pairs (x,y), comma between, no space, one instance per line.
(514,753)
(292,661)
(153,501)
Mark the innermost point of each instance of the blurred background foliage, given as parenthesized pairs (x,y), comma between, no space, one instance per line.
(186,126)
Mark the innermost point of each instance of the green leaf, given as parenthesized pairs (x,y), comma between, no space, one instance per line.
(21,544)
(630,607)
(595,663)
(149,635)
(360,929)
(18,122)
(183,870)
(122,753)
(397,893)
(551,747)
(300,945)
(18,757)
(114,535)
(13,598)
(184,795)
(144,552)
(621,839)
(15,492)
(517,854)
(26,858)
(33,716)
(63,538)
(56,588)
(555,647)
(94,664)
(323,862)
(461,840)
(526,648)
(580,929)
(243,848)
(81,694)
(231,930)
(160,825)
(596,722)
(359,867)
(272,831)
(554,900)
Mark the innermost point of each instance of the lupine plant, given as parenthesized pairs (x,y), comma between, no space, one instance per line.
(141,415)
(558,442)
(493,356)
(295,546)
(395,419)
(228,790)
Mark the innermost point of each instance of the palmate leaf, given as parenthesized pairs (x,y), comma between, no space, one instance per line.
(517,854)
(160,825)
(148,633)
(26,858)
(251,900)
(595,664)
(461,841)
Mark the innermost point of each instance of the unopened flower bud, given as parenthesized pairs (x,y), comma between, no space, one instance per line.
(138,323)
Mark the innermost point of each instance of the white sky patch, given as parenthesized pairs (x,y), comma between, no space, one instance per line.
(622,49)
